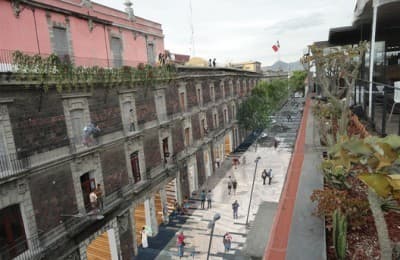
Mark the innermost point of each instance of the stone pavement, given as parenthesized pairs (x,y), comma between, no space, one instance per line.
(195,225)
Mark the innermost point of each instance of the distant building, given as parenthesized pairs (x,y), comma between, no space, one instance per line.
(250,66)
(180,59)
(271,75)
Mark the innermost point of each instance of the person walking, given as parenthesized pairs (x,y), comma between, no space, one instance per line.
(229,185)
(203,198)
(227,240)
(209,197)
(145,243)
(264,176)
(235,208)
(181,244)
(234,185)
(275,143)
(99,194)
(269,176)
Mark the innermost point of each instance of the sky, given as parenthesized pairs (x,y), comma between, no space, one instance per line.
(243,30)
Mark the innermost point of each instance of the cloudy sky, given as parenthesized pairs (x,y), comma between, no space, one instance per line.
(240,30)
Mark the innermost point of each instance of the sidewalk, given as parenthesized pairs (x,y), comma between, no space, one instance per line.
(194,226)
(296,233)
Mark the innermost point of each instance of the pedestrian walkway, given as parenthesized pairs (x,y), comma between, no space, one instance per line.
(295,229)
(195,226)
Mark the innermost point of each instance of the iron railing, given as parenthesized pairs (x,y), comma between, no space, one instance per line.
(11,164)
(22,249)
(382,101)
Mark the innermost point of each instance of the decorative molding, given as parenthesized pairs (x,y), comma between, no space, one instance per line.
(90,25)
(123,222)
(86,3)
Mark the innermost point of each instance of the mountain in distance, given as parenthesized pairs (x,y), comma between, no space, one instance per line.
(284,66)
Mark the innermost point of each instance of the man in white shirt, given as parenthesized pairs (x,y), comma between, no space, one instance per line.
(93,199)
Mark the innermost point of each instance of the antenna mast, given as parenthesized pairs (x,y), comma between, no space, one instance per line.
(192,48)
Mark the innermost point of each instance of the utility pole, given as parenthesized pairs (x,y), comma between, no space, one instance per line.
(252,188)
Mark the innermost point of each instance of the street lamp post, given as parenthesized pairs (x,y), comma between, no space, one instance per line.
(211,225)
(252,188)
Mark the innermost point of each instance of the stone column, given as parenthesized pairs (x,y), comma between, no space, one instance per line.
(151,218)
(133,229)
(164,203)
(178,187)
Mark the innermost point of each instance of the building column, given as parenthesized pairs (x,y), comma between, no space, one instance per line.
(150,213)
(164,203)
(133,229)
(178,187)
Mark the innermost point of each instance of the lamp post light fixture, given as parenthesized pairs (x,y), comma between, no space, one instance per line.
(211,225)
(252,188)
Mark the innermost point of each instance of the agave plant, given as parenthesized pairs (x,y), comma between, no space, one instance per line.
(375,161)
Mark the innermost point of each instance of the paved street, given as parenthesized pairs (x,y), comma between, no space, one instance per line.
(195,226)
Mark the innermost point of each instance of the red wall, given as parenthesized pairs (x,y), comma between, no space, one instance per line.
(20,33)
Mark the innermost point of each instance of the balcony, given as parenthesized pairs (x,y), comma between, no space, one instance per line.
(11,165)
(22,249)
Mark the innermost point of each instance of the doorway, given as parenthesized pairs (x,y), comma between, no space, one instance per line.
(88,184)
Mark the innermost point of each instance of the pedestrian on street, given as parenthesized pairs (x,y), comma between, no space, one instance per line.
(275,144)
(229,185)
(234,185)
(227,240)
(145,243)
(209,63)
(186,205)
(203,198)
(264,176)
(209,197)
(269,176)
(99,194)
(180,243)
(235,208)
(214,62)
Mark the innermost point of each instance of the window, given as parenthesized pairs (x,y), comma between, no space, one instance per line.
(212,93)
(165,148)
(199,97)
(187,136)
(203,127)
(116,49)
(150,53)
(129,117)
(12,233)
(161,107)
(135,167)
(226,116)
(61,46)
(182,101)
(4,159)
(77,124)
(215,121)
(88,184)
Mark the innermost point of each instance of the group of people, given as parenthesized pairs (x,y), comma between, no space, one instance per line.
(164,58)
(212,62)
(96,198)
(266,174)
(205,196)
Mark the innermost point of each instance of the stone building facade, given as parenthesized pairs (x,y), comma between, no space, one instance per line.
(145,146)
(182,130)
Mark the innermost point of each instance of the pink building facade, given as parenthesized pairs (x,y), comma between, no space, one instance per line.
(89,33)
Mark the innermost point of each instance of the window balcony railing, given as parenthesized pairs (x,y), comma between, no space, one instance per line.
(22,249)
(11,165)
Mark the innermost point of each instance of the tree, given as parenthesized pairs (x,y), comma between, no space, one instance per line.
(296,81)
(254,113)
(337,69)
